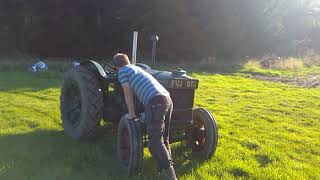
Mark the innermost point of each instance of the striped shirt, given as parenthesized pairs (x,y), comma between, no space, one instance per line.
(143,84)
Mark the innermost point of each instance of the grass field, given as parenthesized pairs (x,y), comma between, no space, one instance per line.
(266,131)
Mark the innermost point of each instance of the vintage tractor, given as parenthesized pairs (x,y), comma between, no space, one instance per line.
(91,93)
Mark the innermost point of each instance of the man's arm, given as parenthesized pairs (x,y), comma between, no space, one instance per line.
(128,96)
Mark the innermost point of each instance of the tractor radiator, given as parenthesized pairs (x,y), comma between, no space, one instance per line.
(183,100)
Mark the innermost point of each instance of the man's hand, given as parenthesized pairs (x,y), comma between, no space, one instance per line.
(130,116)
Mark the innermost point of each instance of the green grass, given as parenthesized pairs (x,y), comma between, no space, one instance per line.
(266,131)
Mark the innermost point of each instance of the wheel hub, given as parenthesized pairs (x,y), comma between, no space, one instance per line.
(197,136)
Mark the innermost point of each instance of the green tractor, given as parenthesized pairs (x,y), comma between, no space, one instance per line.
(91,93)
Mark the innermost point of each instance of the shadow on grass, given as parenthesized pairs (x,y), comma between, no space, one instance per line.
(29,81)
(53,155)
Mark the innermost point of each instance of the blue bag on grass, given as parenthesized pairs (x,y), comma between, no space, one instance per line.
(39,66)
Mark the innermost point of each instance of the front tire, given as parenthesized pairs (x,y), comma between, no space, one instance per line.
(203,134)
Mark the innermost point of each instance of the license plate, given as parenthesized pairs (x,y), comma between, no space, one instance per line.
(183,84)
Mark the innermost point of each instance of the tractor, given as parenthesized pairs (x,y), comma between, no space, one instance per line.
(91,93)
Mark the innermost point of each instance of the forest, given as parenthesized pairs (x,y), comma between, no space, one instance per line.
(188,29)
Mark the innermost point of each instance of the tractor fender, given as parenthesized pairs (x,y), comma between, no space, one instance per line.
(94,67)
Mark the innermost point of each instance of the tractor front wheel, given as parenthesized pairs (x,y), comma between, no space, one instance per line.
(202,137)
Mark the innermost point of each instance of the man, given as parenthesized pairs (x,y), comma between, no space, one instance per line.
(157,105)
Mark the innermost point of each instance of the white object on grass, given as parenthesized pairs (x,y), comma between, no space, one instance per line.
(39,66)
(75,63)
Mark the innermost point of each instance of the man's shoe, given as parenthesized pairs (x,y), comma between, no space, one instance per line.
(168,174)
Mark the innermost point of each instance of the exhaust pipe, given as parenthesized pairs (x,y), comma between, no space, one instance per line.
(134,47)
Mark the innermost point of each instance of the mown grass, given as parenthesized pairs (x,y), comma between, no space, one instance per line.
(266,131)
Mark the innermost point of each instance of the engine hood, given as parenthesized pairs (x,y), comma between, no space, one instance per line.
(176,79)
(165,75)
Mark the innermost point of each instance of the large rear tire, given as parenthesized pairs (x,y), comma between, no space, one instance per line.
(130,145)
(81,103)
(203,134)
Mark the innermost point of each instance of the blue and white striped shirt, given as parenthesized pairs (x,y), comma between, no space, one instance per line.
(143,84)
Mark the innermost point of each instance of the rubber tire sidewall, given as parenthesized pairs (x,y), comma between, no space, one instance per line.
(91,103)
(136,144)
(211,128)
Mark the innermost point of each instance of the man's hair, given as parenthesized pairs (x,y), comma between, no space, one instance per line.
(121,60)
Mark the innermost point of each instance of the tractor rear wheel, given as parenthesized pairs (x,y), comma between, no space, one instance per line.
(81,103)
(130,145)
(203,134)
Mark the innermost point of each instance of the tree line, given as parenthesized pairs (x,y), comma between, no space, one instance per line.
(187,29)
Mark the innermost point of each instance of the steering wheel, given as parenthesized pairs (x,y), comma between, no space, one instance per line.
(112,68)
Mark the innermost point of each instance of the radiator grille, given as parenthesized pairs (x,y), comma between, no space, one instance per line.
(182,98)
(182,107)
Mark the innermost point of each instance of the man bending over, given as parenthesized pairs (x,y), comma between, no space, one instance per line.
(158,109)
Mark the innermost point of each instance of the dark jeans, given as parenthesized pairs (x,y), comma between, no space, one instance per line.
(158,114)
